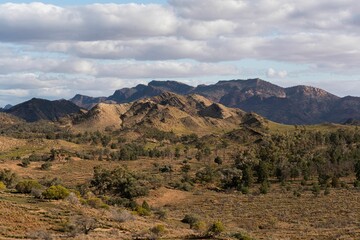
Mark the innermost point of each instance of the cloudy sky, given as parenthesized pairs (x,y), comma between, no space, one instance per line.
(54,49)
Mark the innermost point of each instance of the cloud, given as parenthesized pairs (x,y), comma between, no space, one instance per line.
(272,73)
(45,22)
(62,49)
(321,33)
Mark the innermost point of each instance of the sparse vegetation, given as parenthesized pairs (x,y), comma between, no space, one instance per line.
(151,178)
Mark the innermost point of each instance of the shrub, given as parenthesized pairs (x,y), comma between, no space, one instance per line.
(215,229)
(218,160)
(161,213)
(315,189)
(8,177)
(40,234)
(145,205)
(2,186)
(56,192)
(46,166)
(192,220)
(231,178)
(327,191)
(96,202)
(264,188)
(25,163)
(206,175)
(357,184)
(122,216)
(73,199)
(81,224)
(244,190)
(37,193)
(158,229)
(242,236)
(27,186)
(142,211)
(199,226)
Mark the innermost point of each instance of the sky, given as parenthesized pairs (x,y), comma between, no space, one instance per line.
(56,49)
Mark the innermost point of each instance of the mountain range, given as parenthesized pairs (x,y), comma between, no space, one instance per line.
(293,105)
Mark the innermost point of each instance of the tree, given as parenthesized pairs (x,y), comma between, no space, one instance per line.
(248,175)
(118,181)
(262,172)
(357,170)
(231,178)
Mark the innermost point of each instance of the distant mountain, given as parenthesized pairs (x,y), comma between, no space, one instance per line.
(154,88)
(8,106)
(353,122)
(86,101)
(41,109)
(293,105)
(166,112)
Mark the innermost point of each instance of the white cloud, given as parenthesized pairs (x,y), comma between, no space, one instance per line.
(272,73)
(57,49)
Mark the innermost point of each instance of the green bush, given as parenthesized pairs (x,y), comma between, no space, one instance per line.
(56,192)
(2,186)
(8,177)
(27,186)
(215,229)
(142,211)
(145,205)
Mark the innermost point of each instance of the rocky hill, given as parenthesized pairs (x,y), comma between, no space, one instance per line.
(166,112)
(41,109)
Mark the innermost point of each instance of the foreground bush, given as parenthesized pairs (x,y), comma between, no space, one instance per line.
(56,192)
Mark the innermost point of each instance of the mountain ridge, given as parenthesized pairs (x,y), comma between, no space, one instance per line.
(291,105)
(37,109)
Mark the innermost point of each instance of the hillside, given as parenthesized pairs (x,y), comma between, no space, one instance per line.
(41,109)
(166,112)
